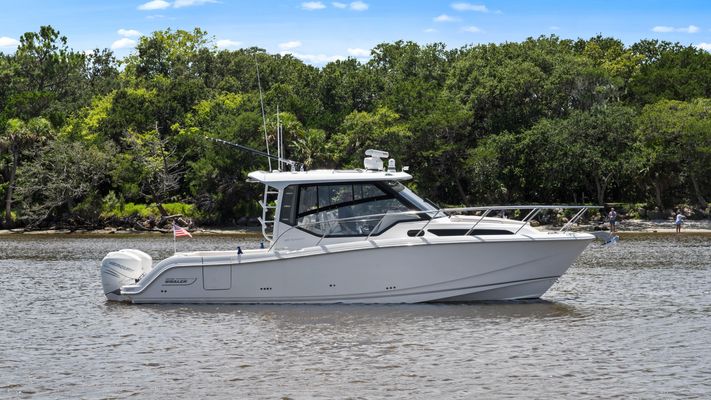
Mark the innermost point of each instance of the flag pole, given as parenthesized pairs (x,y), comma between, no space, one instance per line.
(175,248)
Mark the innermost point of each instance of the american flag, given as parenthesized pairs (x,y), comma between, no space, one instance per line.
(178,232)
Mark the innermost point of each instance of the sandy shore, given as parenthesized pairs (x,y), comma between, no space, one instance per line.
(664,226)
(644,227)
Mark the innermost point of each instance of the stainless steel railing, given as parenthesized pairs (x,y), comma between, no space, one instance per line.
(485,211)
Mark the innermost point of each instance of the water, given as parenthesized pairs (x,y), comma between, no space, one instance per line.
(629,321)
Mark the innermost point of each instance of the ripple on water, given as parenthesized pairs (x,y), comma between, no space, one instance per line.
(626,321)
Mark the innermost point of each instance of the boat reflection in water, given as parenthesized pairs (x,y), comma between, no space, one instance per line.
(358,236)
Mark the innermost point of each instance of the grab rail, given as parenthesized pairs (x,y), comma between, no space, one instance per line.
(535,209)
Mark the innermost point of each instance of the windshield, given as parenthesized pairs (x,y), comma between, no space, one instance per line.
(411,197)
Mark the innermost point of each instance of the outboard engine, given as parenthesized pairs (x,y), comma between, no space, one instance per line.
(124,267)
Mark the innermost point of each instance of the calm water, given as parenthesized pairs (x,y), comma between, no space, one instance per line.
(630,321)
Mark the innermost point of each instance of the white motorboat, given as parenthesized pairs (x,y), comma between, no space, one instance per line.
(358,236)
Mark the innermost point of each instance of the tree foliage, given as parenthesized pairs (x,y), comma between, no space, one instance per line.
(544,120)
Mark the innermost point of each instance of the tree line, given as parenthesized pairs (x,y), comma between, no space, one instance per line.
(88,139)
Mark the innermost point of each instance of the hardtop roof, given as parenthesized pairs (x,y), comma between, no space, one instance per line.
(282,179)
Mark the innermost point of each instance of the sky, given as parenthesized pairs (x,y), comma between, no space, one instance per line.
(322,31)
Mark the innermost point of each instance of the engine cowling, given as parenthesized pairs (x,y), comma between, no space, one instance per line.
(146,260)
(124,267)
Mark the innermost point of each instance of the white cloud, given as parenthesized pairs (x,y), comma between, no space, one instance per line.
(123,43)
(292,44)
(704,46)
(154,5)
(667,29)
(312,5)
(445,18)
(472,29)
(228,44)
(8,42)
(357,52)
(470,7)
(430,30)
(554,28)
(314,58)
(129,33)
(188,3)
(359,6)
(339,5)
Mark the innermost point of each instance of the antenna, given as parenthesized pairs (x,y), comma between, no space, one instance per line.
(281,139)
(264,117)
(280,152)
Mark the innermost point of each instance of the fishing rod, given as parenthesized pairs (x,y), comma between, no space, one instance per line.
(295,165)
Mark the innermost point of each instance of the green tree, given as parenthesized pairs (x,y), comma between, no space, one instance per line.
(18,137)
(156,166)
(596,147)
(310,148)
(674,143)
(670,72)
(345,86)
(216,173)
(382,129)
(47,77)
(64,179)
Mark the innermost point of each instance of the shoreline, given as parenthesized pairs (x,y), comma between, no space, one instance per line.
(624,228)
(645,227)
(241,232)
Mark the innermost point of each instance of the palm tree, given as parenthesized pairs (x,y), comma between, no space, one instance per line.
(310,147)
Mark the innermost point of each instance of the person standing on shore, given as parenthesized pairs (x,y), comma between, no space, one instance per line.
(679,219)
(612,216)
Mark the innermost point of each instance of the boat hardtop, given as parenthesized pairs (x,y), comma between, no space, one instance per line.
(281,179)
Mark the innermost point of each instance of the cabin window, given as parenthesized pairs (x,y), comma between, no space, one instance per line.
(308,199)
(319,206)
(288,203)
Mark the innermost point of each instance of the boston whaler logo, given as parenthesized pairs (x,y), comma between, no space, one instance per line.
(179,281)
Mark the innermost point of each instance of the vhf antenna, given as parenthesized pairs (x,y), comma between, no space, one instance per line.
(264,117)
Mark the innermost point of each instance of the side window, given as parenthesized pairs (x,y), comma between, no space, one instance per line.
(288,205)
(323,208)
(308,199)
(329,195)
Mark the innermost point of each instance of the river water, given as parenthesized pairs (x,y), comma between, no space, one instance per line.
(628,321)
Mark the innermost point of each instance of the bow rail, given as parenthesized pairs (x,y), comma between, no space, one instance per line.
(433,214)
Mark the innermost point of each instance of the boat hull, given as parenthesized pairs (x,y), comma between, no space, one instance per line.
(421,270)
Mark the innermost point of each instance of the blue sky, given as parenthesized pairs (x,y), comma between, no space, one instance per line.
(320,31)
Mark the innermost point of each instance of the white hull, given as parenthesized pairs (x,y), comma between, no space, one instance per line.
(385,271)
